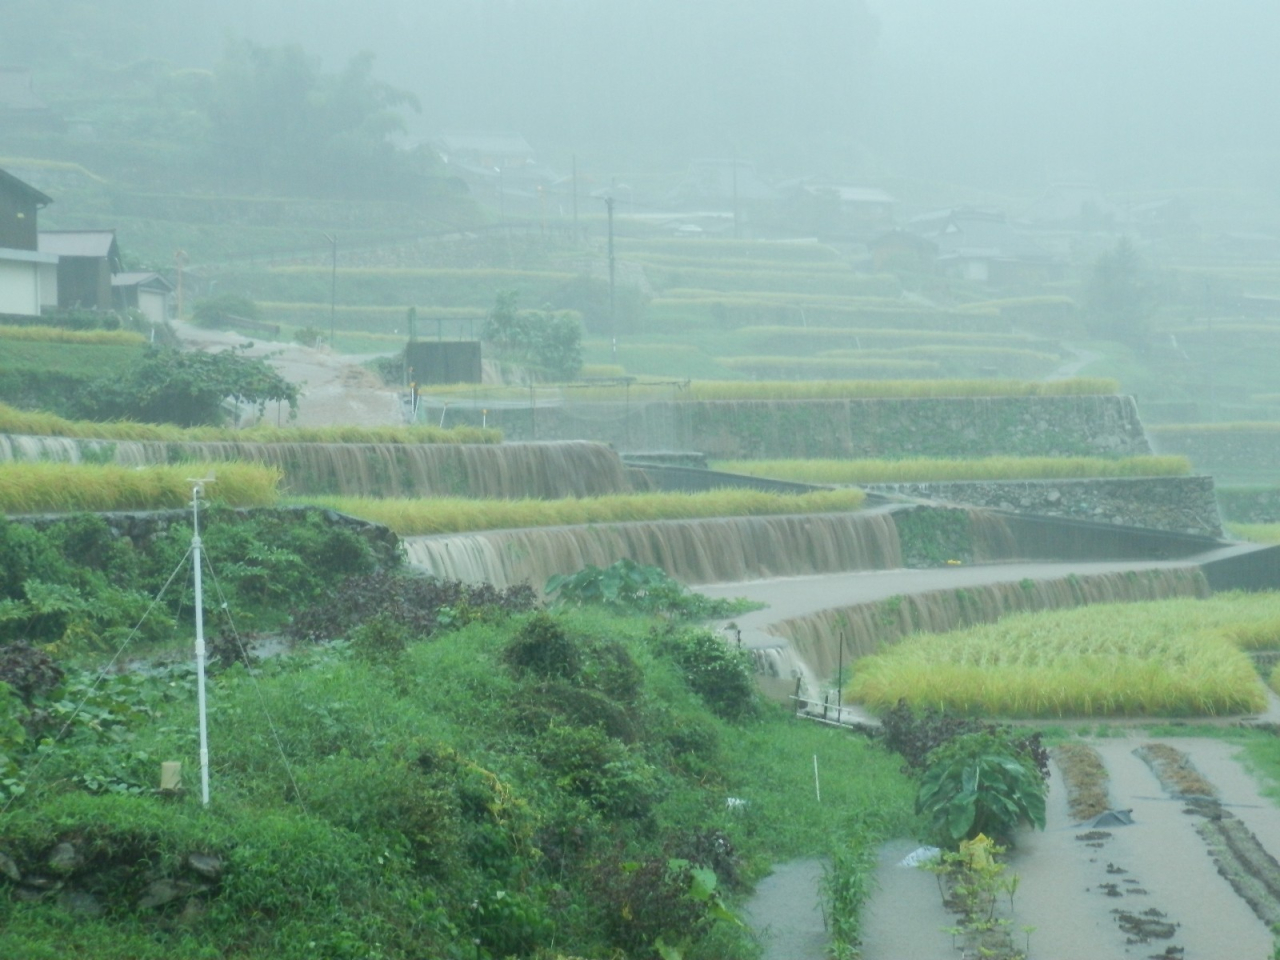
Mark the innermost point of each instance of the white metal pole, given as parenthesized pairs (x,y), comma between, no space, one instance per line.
(196,492)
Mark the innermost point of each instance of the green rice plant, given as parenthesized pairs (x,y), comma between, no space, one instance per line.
(1257,532)
(987,468)
(82,359)
(988,354)
(36,423)
(1169,658)
(70,488)
(757,278)
(457,515)
(61,335)
(869,389)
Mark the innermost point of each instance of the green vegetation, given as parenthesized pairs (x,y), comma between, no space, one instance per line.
(456,515)
(82,359)
(1171,658)
(985,468)
(1257,532)
(550,343)
(980,784)
(636,588)
(217,311)
(464,796)
(71,488)
(32,423)
(76,586)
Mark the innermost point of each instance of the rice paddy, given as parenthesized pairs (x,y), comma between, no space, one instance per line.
(1178,658)
(61,335)
(68,488)
(926,470)
(457,515)
(39,424)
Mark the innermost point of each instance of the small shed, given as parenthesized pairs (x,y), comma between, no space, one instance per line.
(148,293)
(443,361)
(87,259)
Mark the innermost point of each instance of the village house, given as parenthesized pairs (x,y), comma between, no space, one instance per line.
(87,260)
(148,293)
(28,276)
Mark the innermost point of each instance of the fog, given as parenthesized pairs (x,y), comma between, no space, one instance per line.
(997,93)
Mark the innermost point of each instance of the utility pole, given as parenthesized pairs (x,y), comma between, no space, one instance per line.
(180,259)
(576,235)
(735,200)
(333,285)
(613,329)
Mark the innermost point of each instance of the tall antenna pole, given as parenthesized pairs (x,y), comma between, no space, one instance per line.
(613,328)
(576,235)
(197,491)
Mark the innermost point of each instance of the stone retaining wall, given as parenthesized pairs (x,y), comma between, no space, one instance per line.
(896,428)
(1176,504)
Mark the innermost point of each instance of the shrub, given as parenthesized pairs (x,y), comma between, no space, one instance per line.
(722,676)
(915,735)
(629,586)
(215,311)
(418,604)
(543,649)
(980,783)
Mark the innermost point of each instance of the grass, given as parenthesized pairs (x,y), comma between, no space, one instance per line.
(70,488)
(82,359)
(732,249)
(1257,532)
(987,468)
(421,794)
(1239,426)
(60,335)
(456,515)
(1169,658)
(35,423)
(884,335)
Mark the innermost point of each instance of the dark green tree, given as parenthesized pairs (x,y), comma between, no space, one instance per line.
(279,121)
(215,311)
(188,389)
(1118,295)
(549,342)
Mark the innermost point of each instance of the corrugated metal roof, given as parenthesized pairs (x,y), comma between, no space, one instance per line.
(77,243)
(140,279)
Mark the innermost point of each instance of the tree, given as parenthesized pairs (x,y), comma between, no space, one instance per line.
(215,311)
(1118,295)
(550,342)
(278,121)
(186,388)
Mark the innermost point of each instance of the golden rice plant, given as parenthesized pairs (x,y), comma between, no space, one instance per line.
(458,515)
(39,423)
(881,389)
(923,469)
(750,249)
(61,335)
(868,335)
(68,488)
(864,365)
(475,274)
(993,354)
(1180,657)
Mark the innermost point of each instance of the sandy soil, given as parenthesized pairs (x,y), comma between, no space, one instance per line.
(336,388)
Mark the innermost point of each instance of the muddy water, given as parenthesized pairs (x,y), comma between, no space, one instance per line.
(1165,863)
(785,912)
(905,918)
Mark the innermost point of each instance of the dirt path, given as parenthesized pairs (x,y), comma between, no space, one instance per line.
(337,390)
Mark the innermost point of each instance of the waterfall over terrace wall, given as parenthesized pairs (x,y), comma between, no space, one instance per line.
(714,550)
(815,640)
(508,470)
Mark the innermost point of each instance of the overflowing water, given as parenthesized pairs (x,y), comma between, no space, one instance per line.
(508,470)
(819,642)
(715,550)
